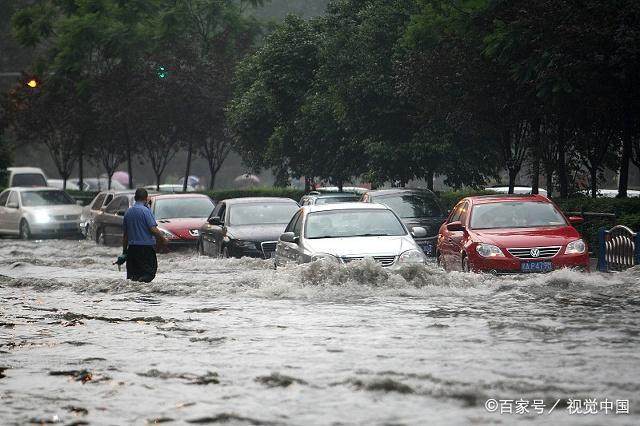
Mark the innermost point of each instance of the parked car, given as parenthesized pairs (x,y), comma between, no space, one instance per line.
(610,193)
(180,216)
(526,190)
(248,227)
(510,234)
(38,212)
(173,188)
(342,233)
(317,198)
(334,189)
(99,184)
(108,224)
(26,177)
(416,207)
(59,183)
(94,208)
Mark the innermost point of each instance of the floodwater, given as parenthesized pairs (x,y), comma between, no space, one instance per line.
(237,342)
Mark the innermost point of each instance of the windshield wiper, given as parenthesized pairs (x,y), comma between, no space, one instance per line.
(372,235)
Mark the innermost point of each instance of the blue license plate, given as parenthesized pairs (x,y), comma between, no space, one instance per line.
(536,266)
(427,248)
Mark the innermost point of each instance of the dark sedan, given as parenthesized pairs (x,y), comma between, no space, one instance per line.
(415,207)
(108,224)
(246,227)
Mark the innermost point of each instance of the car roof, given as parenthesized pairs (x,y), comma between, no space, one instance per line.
(248,200)
(334,195)
(181,195)
(485,199)
(392,191)
(34,188)
(25,169)
(345,206)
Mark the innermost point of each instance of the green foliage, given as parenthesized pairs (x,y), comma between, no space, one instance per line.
(6,157)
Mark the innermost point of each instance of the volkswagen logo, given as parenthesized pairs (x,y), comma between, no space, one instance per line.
(535,252)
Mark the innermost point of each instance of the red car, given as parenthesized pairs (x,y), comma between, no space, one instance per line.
(510,234)
(180,216)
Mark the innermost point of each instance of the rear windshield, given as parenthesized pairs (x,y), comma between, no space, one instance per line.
(520,214)
(341,199)
(409,206)
(45,198)
(353,223)
(28,179)
(172,208)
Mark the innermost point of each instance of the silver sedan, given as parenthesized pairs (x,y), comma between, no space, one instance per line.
(29,212)
(342,233)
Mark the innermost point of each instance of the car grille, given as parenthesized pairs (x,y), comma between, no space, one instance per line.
(382,260)
(526,253)
(269,246)
(67,217)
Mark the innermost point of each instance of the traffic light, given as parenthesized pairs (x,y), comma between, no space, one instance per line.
(162,72)
(33,83)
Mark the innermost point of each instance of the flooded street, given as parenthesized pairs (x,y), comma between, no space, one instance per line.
(237,342)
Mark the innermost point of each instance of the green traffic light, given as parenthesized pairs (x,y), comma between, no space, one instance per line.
(162,72)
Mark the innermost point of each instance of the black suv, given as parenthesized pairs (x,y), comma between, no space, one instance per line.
(416,207)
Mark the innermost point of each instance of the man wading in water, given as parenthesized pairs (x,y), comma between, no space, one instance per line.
(138,242)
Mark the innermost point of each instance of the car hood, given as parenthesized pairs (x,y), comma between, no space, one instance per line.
(67,209)
(430,224)
(529,237)
(361,246)
(181,227)
(258,233)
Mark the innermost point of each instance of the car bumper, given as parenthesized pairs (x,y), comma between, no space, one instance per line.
(512,265)
(428,245)
(56,228)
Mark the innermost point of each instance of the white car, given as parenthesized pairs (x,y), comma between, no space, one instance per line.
(30,212)
(611,193)
(516,190)
(59,183)
(26,176)
(342,233)
(168,187)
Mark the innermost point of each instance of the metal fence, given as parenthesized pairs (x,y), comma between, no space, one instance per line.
(619,249)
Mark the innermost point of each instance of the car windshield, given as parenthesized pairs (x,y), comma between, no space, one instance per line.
(413,205)
(45,198)
(262,213)
(517,214)
(172,208)
(29,179)
(353,223)
(341,199)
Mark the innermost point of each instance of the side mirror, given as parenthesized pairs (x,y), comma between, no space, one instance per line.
(120,212)
(12,205)
(576,220)
(79,203)
(289,237)
(418,232)
(216,221)
(456,226)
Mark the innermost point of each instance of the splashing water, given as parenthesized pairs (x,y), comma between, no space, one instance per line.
(236,341)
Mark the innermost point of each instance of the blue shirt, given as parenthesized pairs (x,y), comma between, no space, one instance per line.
(137,223)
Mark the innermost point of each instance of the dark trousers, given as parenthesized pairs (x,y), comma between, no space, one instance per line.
(142,263)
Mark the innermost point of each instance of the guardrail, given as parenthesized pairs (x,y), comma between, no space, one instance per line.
(619,249)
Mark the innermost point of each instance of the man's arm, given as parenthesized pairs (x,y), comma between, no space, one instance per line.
(159,237)
(125,242)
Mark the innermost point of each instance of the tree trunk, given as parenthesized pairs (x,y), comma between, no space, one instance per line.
(594,181)
(212,180)
(81,166)
(340,185)
(129,159)
(627,147)
(563,179)
(513,174)
(158,176)
(307,185)
(535,170)
(64,183)
(187,172)
(109,177)
(549,180)
(429,181)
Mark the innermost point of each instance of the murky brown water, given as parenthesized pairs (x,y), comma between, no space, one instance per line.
(236,342)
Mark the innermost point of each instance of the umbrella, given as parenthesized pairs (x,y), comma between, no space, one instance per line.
(247,180)
(121,177)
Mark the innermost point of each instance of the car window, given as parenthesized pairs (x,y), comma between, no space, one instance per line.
(46,198)
(223,212)
(118,203)
(183,207)
(28,179)
(108,199)
(13,199)
(97,203)
(464,211)
(353,223)
(293,222)
(262,213)
(412,204)
(297,227)
(3,198)
(516,214)
(457,211)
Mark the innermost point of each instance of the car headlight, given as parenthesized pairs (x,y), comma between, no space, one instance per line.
(244,244)
(412,256)
(41,217)
(168,235)
(576,247)
(489,250)
(325,257)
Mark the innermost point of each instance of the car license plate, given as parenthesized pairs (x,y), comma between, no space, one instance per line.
(69,226)
(536,266)
(427,248)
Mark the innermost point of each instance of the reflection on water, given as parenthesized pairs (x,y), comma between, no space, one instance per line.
(235,341)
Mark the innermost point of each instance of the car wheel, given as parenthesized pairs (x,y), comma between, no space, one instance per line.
(200,247)
(25,230)
(465,264)
(225,253)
